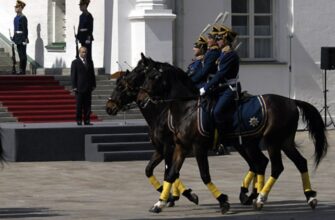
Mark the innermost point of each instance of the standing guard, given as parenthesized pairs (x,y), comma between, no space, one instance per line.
(20,37)
(85,28)
(224,85)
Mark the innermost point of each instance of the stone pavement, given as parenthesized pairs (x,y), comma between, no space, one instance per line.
(120,190)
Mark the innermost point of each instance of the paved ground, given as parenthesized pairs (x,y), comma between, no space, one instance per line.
(99,191)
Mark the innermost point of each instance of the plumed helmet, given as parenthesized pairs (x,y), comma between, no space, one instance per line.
(20,3)
(201,42)
(214,32)
(84,2)
(227,33)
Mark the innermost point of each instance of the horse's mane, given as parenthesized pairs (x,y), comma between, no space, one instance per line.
(176,74)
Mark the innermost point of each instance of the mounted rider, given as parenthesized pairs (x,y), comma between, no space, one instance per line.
(224,85)
(199,50)
(200,77)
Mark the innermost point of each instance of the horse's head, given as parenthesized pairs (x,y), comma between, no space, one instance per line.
(156,83)
(165,81)
(124,93)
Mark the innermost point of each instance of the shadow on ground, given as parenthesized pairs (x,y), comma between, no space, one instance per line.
(26,213)
(283,210)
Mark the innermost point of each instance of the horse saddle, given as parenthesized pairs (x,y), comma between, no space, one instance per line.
(247,118)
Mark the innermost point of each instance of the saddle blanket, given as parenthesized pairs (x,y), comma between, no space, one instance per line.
(248,120)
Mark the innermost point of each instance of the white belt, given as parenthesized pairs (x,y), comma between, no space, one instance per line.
(19,32)
(83,29)
(229,82)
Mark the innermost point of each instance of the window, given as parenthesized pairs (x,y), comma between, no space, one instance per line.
(253,21)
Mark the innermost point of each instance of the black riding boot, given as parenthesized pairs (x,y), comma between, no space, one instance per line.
(220,148)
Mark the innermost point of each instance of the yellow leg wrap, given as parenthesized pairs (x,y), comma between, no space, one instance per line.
(266,189)
(216,138)
(166,191)
(247,179)
(254,182)
(154,182)
(306,182)
(175,190)
(181,187)
(214,190)
(260,183)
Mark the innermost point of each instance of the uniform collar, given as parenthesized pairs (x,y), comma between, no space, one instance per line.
(214,47)
(227,49)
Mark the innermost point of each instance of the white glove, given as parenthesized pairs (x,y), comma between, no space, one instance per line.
(202,91)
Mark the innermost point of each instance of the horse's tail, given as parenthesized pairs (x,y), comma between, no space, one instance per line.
(316,128)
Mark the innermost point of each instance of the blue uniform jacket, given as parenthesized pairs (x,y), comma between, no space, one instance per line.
(228,68)
(85,22)
(209,66)
(20,24)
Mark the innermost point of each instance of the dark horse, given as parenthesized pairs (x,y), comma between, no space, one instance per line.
(126,92)
(173,85)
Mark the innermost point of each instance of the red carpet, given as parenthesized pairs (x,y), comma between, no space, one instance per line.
(33,99)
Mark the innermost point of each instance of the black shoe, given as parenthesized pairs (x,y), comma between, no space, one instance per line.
(79,123)
(87,123)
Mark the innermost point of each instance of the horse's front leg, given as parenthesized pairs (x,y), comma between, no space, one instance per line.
(178,187)
(155,159)
(202,160)
(170,176)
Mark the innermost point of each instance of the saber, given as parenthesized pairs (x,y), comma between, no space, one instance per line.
(218,18)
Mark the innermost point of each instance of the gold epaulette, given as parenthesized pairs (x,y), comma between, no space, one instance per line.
(201,57)
(215,47)
(227,49)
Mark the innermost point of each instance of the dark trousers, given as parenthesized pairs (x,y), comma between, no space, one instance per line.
(89,49)
(224,100)
(22,51)
(84,101)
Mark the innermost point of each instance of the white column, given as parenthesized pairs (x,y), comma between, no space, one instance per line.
(151,31)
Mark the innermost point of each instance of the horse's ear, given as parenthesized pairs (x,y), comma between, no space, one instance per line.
(143,57)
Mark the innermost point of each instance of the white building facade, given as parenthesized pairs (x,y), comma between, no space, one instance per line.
(281,38)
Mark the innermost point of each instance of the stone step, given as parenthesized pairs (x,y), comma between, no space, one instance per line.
(128,156)
(7,119)
(120,117)
(127,137)
(124,146)
(4,54)
(5,115)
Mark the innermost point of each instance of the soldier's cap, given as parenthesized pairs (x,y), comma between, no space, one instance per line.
(202,41)
(226,32)
(84,2)
(20,3)
(215,31)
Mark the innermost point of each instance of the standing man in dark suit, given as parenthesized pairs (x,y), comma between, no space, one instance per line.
(20,37)
(83,83)
(85,28)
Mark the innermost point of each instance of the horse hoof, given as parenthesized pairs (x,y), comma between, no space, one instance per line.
(313,202)
(259,202)
(158,207)
(244,198)
(251,198)
(258,206)
(194,198)
(224,207)
(155,209)
(171,204)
